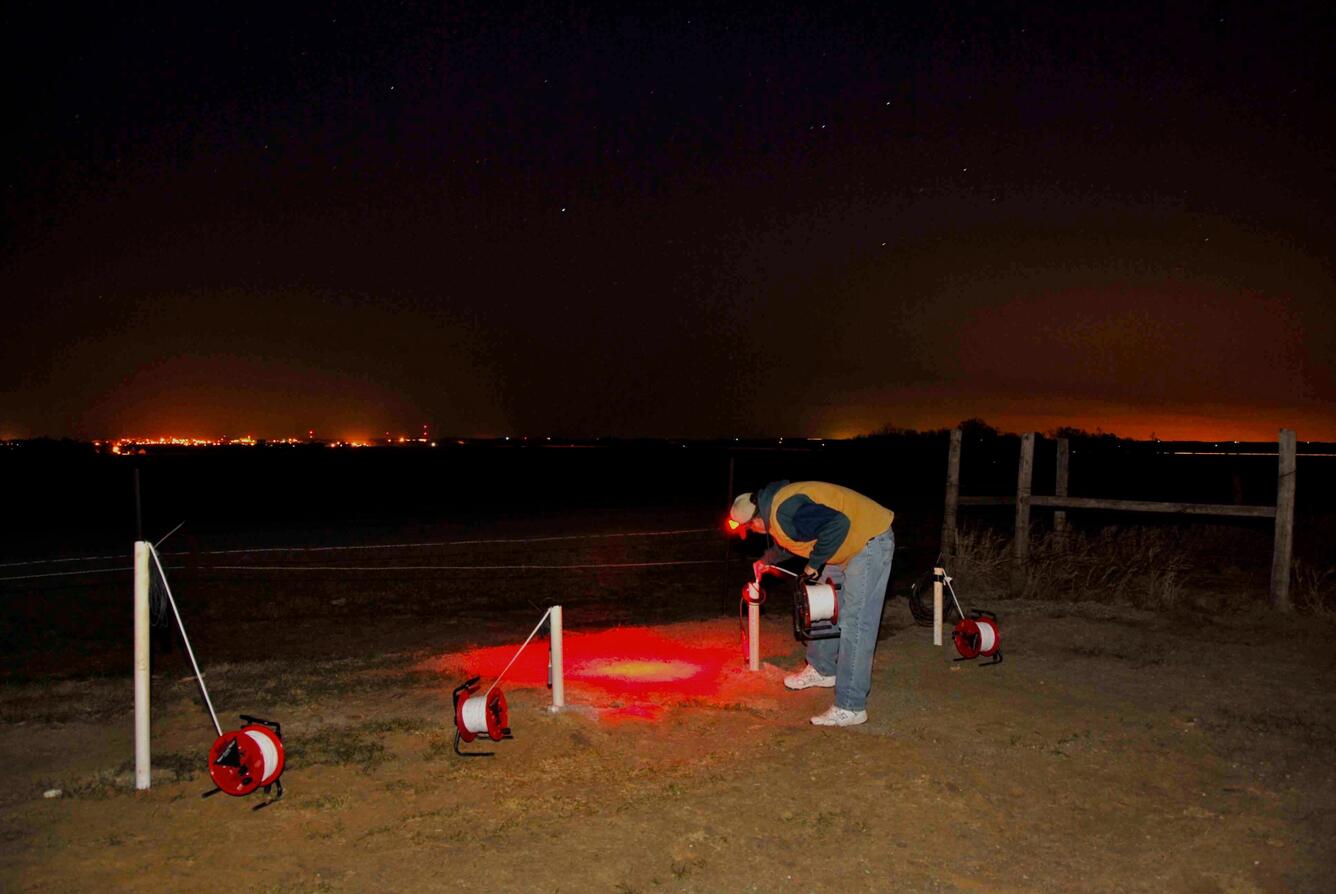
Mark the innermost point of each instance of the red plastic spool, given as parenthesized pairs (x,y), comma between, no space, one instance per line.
(977,636)
(474,716)
(243,760)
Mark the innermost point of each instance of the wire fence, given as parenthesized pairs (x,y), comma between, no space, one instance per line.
(415,545)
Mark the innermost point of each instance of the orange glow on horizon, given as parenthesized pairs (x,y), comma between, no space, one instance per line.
(924,412)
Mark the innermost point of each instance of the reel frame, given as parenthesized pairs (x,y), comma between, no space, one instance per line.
(466,689)
(971,640)
(276,784)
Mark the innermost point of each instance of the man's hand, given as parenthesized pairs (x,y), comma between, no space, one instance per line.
(758,569)
(811,575)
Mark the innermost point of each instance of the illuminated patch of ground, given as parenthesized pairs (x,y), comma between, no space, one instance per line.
(643,670)
(631,673)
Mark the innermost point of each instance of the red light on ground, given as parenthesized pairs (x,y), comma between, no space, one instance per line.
(630,673)
(642,671)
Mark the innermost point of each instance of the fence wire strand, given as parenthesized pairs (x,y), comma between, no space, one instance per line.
(427,544)
(386,567)
(525,567)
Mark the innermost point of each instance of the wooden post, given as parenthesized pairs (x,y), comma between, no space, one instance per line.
(952,495)
(1283,554)
(1021,543)
(1060,489)
(938,580)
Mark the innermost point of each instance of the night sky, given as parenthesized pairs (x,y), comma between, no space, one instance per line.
(702,221)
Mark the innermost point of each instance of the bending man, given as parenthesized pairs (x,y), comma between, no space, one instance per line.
(845,537)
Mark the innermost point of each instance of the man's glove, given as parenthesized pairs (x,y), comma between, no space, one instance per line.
(811,575)
(758,569)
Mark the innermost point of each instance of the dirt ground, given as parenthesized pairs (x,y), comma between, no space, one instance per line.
(1113,750)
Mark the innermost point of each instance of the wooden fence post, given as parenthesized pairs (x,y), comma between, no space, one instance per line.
(952,495)
(1021,544)
(1060,487)
(938,580)
(1283,555)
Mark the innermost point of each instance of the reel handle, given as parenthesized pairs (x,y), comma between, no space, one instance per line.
(272,724)
(467,686)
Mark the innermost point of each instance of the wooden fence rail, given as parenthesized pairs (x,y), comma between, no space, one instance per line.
(1282,512)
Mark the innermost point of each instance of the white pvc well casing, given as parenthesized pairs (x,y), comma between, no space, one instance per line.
(143,774)
(753,636)
(556,646)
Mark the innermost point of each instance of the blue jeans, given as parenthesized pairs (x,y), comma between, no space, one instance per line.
(863,591)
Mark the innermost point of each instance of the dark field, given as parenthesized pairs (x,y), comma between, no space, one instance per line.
(1146,732)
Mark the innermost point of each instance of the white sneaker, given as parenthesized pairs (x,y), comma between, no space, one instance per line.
(807,678)
(836,716)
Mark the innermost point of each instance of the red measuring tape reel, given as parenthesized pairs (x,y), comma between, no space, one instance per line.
(979,636)
(243,760)
(816,610)
(476,715)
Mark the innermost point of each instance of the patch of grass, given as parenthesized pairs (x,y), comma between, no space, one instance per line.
(167,767)
(396,725)
(316,886)
(982,560)
(375,830)
(1145,567)
(297,683)
(440,746)
(180,764)
(1095,651)
(1310,731)
(438,836)
(822,820)
(328,802)
(61,701)
(340,746)
(98,787)
(1313,588)
(319,833)
(355,744)
(403,787)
